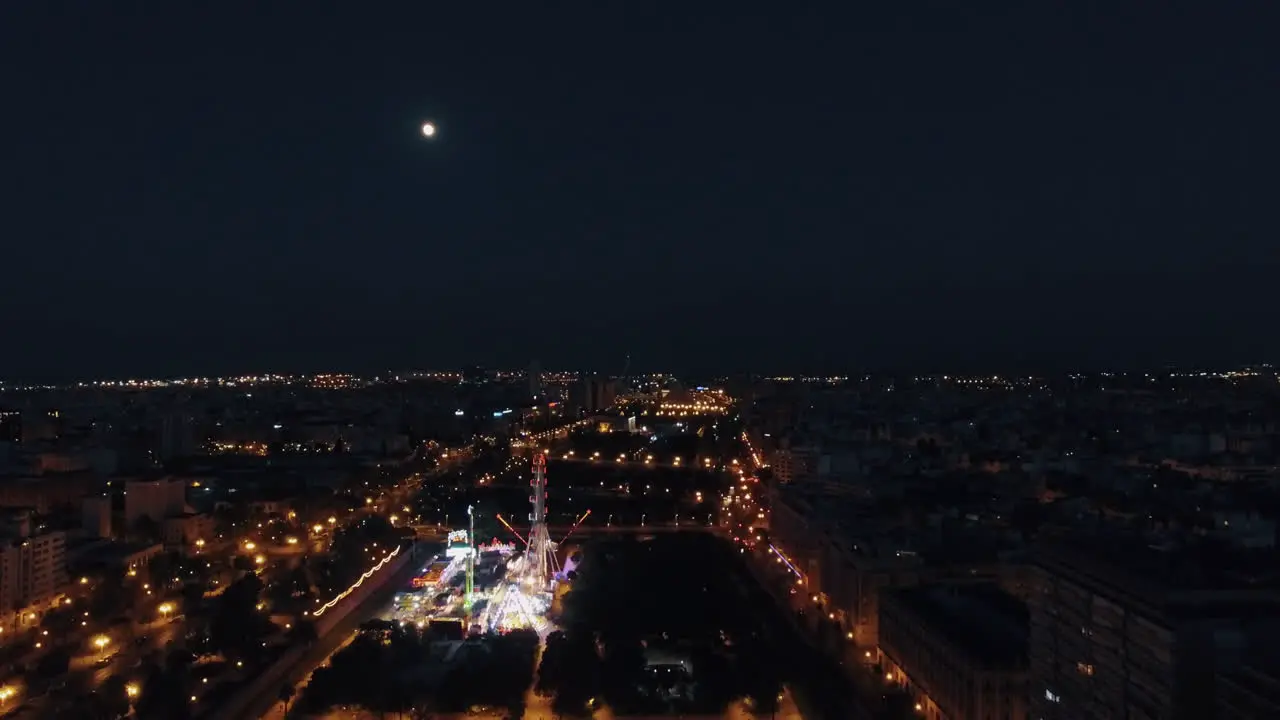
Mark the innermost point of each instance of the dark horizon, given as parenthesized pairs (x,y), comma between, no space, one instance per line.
(690,373)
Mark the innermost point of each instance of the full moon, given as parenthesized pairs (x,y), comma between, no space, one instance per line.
(428,130)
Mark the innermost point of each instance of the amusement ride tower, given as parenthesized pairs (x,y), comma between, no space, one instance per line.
(541,559)
(471,553)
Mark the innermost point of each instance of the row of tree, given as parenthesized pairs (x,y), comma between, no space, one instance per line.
(616,613)
(394,669)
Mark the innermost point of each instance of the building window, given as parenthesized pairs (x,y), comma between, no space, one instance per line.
(1085,668)
(1051,696)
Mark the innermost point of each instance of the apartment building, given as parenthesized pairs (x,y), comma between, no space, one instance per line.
(1251,691)
(155,499)
(960,649)
(1120,628)
(33,571)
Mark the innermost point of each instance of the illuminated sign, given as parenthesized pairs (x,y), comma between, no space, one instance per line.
(457,536)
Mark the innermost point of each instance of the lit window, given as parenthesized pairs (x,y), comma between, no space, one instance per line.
(1084,668)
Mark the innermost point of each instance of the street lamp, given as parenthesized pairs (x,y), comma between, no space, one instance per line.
(101,642)
(165,609)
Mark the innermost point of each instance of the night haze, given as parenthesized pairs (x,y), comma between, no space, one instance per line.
(703,186)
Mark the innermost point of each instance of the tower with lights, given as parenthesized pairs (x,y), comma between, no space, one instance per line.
(542,552)
(471,553)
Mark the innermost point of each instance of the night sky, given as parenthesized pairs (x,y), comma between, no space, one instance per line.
(705,185)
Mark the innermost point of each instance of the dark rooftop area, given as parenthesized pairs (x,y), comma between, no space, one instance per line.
(980,619)
(1172,568)
(1129,565)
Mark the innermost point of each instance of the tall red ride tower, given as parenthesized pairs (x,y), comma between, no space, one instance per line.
(541,562)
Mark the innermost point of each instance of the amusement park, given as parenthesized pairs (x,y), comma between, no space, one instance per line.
(473,589)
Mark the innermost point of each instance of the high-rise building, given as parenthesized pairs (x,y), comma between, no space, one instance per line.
(33,569)
(1120,628)
(961,650)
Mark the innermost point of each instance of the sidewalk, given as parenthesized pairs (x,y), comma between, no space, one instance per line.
(850,673)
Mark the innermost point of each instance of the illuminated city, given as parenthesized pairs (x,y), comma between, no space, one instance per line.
(640,361)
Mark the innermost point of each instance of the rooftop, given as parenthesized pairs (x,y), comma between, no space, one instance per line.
(1164,578)
(980,620)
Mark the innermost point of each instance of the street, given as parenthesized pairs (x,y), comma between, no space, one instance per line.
(268,704)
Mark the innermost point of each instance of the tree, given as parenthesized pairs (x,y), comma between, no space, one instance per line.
(111,595)
(286,694)
(163,696)
(162,569)
(55,662)
(288,593)
(236,627)
(192,599)
(113,697)
(303,631)
(60,621)
(230,517)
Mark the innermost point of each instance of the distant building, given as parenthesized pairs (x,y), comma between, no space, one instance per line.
(1123,629)
(43,494)
(536,388)
(960,649)
(177,437)
(95,515)
(478,375)
(182,531)
(794,462)
(156,499)
(596,393)
(11,426)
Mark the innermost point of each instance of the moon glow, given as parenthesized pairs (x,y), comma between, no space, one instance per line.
(428,130)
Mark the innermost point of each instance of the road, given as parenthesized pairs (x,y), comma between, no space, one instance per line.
(277,711)
(268,703)
(826,691)
(84,674)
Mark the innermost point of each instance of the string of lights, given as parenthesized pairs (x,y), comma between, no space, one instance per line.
(368,574)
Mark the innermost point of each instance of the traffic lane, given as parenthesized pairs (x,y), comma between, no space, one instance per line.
(158,637)
(326,646)
(826,686)
(277,710)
